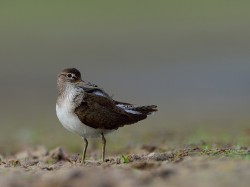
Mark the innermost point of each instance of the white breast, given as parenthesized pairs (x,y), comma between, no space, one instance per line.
(71,122)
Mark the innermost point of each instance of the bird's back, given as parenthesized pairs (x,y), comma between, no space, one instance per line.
(99,111)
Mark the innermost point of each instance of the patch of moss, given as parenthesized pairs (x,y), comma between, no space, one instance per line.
(124,159)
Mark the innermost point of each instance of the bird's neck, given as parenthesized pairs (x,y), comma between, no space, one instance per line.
(64,90)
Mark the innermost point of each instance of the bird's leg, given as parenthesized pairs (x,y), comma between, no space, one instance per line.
(84,150)
(103,147)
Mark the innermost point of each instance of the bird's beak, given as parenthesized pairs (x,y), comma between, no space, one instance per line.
(80,82)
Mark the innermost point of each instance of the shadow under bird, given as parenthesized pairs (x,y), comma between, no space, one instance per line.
(85,109)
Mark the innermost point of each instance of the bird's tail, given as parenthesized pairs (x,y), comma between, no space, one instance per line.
(147,110)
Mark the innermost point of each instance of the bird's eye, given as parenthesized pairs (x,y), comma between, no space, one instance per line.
(69,75)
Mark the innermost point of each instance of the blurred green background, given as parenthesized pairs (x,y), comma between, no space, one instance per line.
(191,58)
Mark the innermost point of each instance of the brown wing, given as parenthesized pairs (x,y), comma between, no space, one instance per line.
(101,112)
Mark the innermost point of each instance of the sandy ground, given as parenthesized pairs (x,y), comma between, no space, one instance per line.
(194,165)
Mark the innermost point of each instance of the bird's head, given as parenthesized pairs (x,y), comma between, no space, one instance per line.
(68,79)
(69,75)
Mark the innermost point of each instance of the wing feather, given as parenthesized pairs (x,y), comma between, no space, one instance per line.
(101,112)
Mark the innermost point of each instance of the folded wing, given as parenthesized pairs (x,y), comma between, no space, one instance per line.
(99,110)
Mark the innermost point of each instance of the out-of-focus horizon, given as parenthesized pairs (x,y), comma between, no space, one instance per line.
(190,58)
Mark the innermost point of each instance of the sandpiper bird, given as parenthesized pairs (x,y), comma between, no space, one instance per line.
(85,109)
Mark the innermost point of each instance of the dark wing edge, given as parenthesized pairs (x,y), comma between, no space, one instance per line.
(147,109)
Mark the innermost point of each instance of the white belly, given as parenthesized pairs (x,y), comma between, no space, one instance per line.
(71,122)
